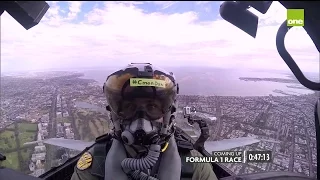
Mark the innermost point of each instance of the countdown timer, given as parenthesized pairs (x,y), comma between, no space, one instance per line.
(258,156)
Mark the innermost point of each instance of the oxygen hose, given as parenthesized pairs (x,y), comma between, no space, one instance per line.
(139,175)
(143,163)
(129,166)
(118,166)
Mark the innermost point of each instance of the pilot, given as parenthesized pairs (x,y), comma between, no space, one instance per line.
(143,144)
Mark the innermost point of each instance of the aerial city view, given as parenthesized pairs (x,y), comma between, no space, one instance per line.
(63,104)
(52,77)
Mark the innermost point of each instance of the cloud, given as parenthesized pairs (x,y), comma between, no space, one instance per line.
(74,9)
(202,2)
(117,33)
(165,4)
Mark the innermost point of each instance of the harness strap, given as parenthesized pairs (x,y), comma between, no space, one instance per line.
(99,152)
(155,168)
(184,148)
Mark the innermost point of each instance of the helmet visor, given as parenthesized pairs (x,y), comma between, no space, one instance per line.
(151,109)
(128,96)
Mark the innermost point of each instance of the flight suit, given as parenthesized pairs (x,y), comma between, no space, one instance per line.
(200,171)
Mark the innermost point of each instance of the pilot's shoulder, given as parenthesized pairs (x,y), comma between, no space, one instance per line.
(104,138)
(93,159)
(202,165)
(82,175)
(99,148)
(86,159)
(195,153)
(202,171)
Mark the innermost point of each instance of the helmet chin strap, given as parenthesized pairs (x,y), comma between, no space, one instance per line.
(165,124)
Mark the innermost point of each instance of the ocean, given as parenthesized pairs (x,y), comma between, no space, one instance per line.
(222,82)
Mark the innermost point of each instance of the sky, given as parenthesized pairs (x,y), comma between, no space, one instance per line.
(77,34)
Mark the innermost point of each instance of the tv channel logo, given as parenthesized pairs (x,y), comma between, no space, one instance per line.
(295,17)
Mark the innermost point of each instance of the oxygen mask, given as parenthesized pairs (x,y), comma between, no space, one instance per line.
(141,122)
(141,132)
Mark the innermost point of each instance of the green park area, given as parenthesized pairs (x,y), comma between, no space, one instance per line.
(11,127)
(26,137)
(12,139)
(25,153)
(7,141)
(23,127)
(12,160)
(91,124)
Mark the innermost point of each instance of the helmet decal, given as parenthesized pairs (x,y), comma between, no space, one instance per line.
(147,82)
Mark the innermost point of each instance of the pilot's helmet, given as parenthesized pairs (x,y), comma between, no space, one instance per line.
(140,89)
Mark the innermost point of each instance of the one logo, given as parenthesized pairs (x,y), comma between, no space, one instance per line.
(147,82)
(295,17)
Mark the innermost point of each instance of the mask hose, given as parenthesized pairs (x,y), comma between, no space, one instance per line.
(139,175)
(143,163)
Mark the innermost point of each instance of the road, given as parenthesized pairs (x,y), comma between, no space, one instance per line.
(53,115)
(52,129)
(73,120)
(218,116)
(16,133)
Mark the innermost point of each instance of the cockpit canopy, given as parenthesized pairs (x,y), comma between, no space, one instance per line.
(27,13)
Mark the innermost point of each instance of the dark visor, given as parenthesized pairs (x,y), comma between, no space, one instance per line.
(148,108)
(131,97)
